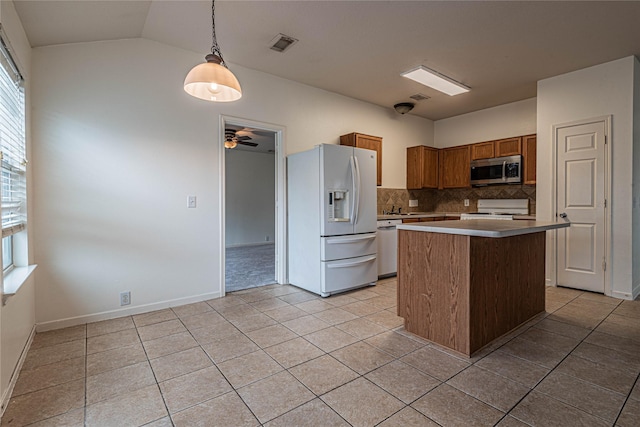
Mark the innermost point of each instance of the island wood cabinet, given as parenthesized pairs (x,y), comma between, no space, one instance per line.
(455,167)
(370,143)
(422,167)
(529,159)
(463,292)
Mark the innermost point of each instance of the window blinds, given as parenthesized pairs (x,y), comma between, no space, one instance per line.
(12,144)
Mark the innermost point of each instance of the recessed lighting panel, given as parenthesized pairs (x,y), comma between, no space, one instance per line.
(435,80)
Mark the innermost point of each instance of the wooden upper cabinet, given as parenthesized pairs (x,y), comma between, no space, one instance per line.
(482,150)
(529,148)
(422,167)
(455,169)
(508,147)
(370,143)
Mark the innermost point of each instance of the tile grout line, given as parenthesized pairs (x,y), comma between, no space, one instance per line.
(635,383)
(554,368)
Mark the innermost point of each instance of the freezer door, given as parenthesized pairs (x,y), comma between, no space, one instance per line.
(366,193)
(353,245)
(344,274)
(336,177)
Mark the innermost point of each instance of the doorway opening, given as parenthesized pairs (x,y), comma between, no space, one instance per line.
(252,211)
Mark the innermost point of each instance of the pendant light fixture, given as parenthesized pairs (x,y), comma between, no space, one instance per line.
(212,81)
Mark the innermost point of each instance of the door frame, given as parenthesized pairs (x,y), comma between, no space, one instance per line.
(280,201)
(607,190)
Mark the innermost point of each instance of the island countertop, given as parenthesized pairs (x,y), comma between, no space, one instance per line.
(484,227)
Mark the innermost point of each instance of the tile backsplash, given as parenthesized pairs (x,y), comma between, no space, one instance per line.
(452,200)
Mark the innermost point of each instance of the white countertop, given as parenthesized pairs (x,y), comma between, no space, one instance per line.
(484,227)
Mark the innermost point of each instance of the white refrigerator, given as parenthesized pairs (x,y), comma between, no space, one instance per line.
(332,218)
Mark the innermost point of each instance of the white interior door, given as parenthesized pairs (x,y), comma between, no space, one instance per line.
(581,196)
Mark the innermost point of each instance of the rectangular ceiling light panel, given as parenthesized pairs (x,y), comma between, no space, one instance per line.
(435,80)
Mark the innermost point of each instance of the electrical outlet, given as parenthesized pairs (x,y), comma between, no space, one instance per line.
(466,202)
(125,298)
(413,203)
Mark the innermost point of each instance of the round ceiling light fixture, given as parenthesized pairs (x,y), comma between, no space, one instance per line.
(404,107)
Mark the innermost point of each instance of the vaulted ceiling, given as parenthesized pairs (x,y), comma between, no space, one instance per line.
(359,48)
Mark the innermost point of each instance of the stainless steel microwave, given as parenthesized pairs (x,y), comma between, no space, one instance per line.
(499,170)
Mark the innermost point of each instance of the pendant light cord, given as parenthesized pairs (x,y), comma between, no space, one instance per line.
(215,49)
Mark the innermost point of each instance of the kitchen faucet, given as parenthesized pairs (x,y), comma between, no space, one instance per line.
(392,211)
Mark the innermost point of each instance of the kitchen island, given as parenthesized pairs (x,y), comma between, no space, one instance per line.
(462,284)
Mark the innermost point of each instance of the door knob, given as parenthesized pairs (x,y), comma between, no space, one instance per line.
(563,215)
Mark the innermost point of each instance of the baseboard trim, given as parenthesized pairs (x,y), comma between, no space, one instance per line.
(635,291)
(120,312)
(6,396)
(624,295)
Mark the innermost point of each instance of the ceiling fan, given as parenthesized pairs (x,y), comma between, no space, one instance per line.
(232,139)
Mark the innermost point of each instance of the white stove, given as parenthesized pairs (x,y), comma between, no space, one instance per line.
(501,209)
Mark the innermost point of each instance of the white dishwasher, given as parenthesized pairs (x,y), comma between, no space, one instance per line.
(388,247)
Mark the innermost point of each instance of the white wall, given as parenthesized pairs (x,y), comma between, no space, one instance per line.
(504,121)
(17,317)
(636,179)
(605,89)
(250,197)
(118,146)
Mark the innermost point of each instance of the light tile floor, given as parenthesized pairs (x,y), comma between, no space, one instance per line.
(279,356)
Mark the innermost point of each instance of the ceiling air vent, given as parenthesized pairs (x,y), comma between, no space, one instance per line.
(419,97)
(280,43)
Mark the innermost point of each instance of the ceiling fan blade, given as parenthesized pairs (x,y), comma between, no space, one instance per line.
(263,133)
(250,144)
(243,138)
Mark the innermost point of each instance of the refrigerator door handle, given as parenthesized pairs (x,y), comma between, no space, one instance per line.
(357,191)
(352,264)
(352,240)
(352,164)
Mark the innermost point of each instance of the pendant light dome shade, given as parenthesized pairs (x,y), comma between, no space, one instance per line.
(212,81)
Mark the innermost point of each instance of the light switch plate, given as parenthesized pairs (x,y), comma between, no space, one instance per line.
(191,202)
(413,203)
(466,202)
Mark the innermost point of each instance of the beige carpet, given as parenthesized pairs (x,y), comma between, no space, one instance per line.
(250,266)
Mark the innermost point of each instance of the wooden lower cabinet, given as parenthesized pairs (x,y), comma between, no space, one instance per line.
(462,292)
(427,219)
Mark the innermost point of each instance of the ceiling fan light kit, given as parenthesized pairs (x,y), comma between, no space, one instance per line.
(435,80)
(213,81)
